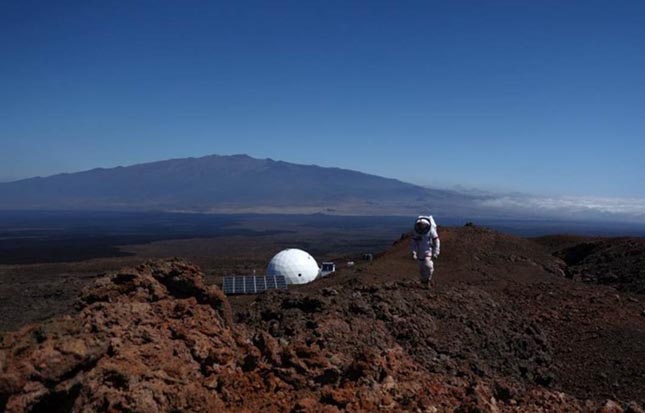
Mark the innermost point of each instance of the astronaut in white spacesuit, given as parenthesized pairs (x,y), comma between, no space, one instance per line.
(425,246)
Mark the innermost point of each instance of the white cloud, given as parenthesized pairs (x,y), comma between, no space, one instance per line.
(584,207)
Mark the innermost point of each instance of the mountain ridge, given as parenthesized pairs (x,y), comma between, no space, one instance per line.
(231,184)
(217,183)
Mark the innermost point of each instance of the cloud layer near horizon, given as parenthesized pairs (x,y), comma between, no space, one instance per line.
(569,206)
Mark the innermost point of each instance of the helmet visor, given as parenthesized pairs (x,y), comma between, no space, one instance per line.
(422,226)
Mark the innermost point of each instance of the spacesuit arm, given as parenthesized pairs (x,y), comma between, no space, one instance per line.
(436,243)
(414,246)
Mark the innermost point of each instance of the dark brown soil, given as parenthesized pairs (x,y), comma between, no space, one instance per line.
(594,333)
(619,262)
(503,330)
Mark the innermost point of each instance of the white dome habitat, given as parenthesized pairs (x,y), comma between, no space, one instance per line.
(297,266)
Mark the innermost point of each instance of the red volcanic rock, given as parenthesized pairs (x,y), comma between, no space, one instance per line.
(156,338)
(633,407)
(144,340)
(610,406)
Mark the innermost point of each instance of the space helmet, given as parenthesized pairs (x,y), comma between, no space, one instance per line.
(423,224)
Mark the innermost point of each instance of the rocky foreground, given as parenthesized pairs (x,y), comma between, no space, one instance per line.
(155,338)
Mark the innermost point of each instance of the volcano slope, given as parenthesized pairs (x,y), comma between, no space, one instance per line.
(503,330)
(619,262)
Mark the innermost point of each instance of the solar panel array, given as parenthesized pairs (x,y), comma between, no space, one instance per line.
(253,284)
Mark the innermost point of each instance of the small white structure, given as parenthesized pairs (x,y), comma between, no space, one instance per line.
(327,268)
(297,266)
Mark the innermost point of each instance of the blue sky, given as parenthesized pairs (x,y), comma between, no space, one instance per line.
(546,97)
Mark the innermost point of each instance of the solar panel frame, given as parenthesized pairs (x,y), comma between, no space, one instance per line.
(228,285)
(260,284)
(280,283)
(251,284)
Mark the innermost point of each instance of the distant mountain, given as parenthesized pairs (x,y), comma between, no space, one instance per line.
(235,183)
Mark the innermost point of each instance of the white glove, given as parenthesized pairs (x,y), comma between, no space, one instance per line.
(414,255)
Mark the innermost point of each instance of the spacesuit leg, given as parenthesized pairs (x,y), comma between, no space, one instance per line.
(426,268)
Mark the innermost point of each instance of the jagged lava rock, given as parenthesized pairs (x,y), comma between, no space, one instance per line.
(157,338)
(145,339)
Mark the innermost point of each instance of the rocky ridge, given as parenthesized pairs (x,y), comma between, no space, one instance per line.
(619,262)
(156,338)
